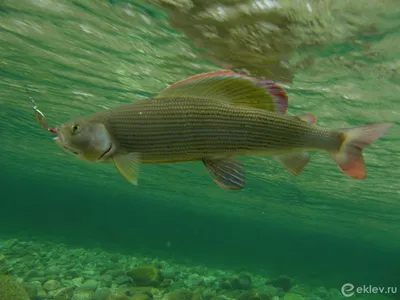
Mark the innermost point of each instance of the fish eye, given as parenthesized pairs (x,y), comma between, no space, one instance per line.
(75,128)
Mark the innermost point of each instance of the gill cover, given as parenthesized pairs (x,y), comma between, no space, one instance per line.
(90,141)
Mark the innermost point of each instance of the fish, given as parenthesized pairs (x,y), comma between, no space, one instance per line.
(213,118)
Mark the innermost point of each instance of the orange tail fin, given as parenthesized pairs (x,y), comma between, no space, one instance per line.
(350,158)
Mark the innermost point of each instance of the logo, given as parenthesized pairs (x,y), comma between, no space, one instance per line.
(347,290)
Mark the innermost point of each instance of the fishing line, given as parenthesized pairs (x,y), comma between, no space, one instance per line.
(39,116)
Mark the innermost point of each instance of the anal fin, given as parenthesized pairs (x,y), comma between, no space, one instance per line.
(128,165)
(228,173)
(294,162)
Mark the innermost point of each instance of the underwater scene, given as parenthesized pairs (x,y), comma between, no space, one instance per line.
(199,149)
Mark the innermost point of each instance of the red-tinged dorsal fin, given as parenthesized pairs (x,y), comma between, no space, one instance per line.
(228,86)
(350,158)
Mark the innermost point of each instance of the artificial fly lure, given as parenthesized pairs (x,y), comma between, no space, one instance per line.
(41,119)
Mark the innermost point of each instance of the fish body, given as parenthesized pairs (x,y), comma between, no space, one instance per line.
(213,118)
(190,129)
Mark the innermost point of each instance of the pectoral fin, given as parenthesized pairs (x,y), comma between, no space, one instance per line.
(294,162)
(227,173)
(128,166)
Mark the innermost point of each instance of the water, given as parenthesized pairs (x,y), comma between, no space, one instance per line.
(337,60)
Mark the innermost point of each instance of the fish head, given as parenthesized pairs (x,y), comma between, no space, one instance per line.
(90,141)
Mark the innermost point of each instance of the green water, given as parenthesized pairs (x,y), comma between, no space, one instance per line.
(338,60)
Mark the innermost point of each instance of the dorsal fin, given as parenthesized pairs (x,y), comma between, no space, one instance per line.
(233,88)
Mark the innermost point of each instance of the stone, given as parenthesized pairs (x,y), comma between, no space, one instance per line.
(10,289)
(88,285)
(77,281)
(83,295)
(182,294)
(30,288)
(168,273)
(209,280)
(267,290)
(64,293)
(123,280)
(102,293)
(71,273)
(291,296)
(244,281)
(209,294)
(106,280)
(34,273)
(334,293)
(196,296)
(146,276)
(52,270)
(115,273)
(42,294)
(51,285)
(283,282)
(37,284)
(141,297)
(225,284)
(194,280)
(250,296)
(39,279)
(321,292)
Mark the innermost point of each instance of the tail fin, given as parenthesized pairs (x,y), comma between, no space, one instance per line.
(350,158)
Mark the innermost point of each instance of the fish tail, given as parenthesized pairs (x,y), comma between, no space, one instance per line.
(350,158)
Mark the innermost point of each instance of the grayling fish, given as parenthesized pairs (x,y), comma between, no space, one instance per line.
(214,118)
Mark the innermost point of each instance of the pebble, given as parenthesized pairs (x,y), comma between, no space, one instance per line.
(30,288)
(267,290)
(59,273)
(194,280)
(52,270)
(51,285)
(106,281)
(89,285)
(40,279)
(291,296)
(115,273)
(102,294)
(64,293)
(41,294)
(83,295)
(244,281)
(77,281)
(209,280)
(168,273)
(34,273)
(123,280)
(321,292)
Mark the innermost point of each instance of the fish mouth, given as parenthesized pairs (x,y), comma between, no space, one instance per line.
(59,141)
(106,152)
